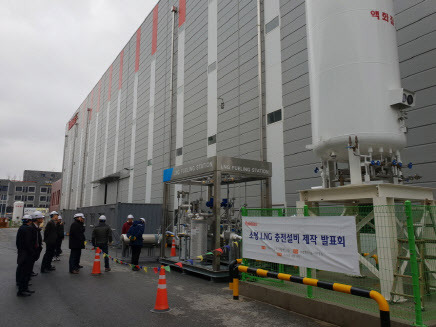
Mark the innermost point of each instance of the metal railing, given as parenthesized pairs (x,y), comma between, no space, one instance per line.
(383,305)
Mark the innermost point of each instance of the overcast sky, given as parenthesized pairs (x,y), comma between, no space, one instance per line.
(53,53)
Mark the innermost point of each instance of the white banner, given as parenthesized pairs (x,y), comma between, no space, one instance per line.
(325,243)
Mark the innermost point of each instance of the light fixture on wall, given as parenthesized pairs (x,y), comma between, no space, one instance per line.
(222,103)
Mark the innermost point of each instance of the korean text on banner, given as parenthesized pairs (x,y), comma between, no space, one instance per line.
(325,243)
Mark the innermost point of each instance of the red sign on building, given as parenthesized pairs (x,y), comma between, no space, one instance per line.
(73,121)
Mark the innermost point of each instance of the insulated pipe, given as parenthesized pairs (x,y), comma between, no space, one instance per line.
(174,10)
(260,76)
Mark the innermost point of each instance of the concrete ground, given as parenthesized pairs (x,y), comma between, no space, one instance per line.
(124,298)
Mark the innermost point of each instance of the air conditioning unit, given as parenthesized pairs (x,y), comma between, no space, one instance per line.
(402,98)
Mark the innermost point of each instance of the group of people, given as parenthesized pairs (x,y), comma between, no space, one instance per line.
(29,244)
(134,231)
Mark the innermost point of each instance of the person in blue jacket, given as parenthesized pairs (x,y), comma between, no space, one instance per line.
(135,236)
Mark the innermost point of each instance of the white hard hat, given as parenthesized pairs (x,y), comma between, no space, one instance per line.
(60,217)
(102,217)
(143,219)
(37,214)
(26,217)
(79,215)
(130,217)
(54,213)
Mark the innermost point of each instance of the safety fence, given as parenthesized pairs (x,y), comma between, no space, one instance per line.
(397,246)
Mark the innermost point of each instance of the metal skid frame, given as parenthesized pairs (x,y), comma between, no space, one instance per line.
(206,172)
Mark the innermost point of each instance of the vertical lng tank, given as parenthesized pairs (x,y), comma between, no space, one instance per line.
(355,81)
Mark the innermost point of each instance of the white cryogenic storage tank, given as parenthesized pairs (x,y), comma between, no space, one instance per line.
(355,84)
(17,213)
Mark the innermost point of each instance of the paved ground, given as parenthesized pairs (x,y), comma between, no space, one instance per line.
(123,297)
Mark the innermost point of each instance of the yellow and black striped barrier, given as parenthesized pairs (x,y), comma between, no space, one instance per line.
(385,320)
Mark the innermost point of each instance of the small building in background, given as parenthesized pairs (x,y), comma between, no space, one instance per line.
(34,191)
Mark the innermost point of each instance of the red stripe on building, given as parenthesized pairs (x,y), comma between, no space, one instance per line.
(99,93)
(138,48)
(154,35)
(182,12)
(110,83)
(120,81)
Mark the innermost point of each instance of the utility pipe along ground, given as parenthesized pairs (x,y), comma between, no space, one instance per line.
(383,305)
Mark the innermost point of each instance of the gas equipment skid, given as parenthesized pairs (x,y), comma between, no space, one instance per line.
(358,115)
(205,217)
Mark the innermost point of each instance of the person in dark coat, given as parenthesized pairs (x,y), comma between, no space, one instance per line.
(101,238)
(26,252)
(26,220)
(76,242)
(50,238)
(135,236)
(37,220)
(126,249)
(60,232)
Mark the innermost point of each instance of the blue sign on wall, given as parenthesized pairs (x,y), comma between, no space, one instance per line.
(168,174)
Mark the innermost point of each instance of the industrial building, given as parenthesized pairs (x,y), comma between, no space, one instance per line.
(34,190)
(199,79)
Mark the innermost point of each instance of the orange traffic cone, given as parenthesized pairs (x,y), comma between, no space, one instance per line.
(96,268)
(161,296)
(173,248)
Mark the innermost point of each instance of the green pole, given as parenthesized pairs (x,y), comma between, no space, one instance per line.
(281,266)
(309,270)
(414,265)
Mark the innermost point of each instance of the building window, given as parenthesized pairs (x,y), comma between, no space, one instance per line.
(179,152)
(18,197)
(29,205)
(3,188)
(43,190)
(31,189)
(18,189)
(30,198)
(25,189)
(275,116)
(211,139)
(42,199)
(3,197)
(42,175)
(272,24)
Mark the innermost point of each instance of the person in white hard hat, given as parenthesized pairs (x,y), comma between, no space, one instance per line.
(37,220)
(126,249)
(61,236)
(101,237)
(50,238)
(76,242)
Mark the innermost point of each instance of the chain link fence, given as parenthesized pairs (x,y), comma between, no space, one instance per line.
(397,258)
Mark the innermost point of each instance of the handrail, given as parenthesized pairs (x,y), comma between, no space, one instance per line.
(383,305)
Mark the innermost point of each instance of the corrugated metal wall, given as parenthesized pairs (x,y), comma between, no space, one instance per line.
(238,133)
